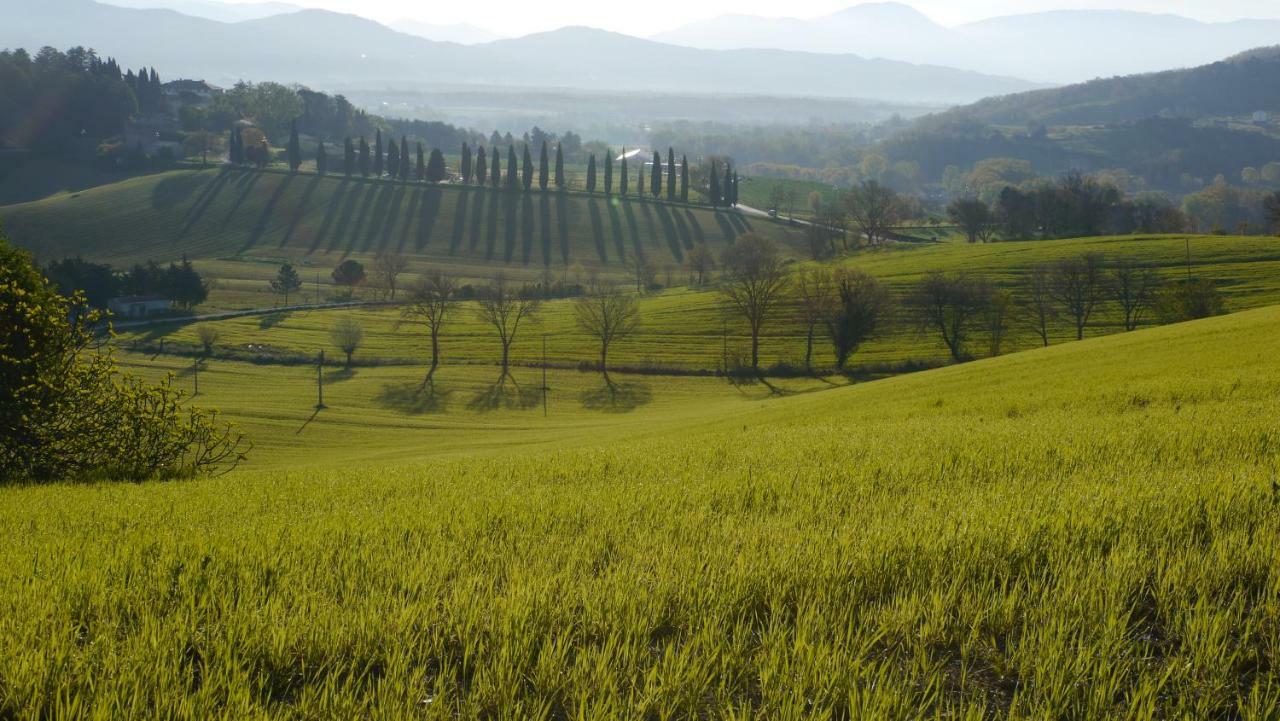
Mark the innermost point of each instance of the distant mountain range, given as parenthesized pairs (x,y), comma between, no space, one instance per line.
(1054,47)
(332,51)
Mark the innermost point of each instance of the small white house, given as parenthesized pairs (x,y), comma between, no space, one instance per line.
(138,306)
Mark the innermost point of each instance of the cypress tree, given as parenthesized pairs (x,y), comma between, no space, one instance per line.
(528,169)
(684,179)
(422,165)
(544,168)
(377,155)
(393,159)
(608,171)
(714,189)
(466,164)
(559,166)
(435,167)
(727,187)
(348,157)
(295,148)
(481,160)
(640,178)
(735,189)
(591,173)
(655,178)
(513,168)
(495,169)
(671,174)
(404,158)
(364,157)
(322,159)
(233,154)
(622,175)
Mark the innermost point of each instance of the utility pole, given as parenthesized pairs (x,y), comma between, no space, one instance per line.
(1188,239)
(320,382)
(544,375)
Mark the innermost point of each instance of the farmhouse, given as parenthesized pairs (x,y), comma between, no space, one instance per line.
(138,306)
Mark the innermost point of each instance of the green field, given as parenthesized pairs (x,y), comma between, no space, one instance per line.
(1086,531)
(684,328)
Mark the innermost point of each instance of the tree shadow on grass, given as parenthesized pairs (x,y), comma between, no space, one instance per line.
(414,398)
(340,375)
(245,183)
(615,397)
(505,393)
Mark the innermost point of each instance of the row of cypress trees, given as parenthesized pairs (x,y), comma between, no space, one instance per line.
(484,168)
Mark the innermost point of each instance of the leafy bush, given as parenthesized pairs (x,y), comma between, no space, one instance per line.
(66,412)
(1188,300)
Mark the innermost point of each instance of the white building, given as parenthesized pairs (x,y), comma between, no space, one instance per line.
(138,306)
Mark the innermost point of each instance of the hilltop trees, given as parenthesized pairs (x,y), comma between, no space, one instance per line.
(544,168)
(713,188)
(754,282)
(295,148)
(622,175)
(364,158)
(513,169)
(436,171)
(607,314)
(348,158)
(393,159)
(420,172)
(671,174)
(481,166)
(465,164)
(404,158)
(322,159)
(526,178)
(286,281)
(591,173)
(655,176)
(560,179)
(377,155)
(608,171)
(495,169)
(430,303)
(684,179)
(504,307)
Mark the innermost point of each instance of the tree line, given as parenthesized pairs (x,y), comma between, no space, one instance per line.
(99,282)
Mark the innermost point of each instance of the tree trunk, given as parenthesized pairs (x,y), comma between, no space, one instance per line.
(506,354)
(808,350)
(604,361)
(755,349)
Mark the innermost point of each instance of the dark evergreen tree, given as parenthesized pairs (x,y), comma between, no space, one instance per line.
(481,161)
(733,200)
(726,188)
(513,168)
(623,177)
(655,176)
(234,153)
(544,168)
(322,159)
(591,173)
(671,174)
(713,192)
(364,158)
(377,155)
(436,172)
(684,179)
(640,176)
(393,159)
(527,177)
(560,166)
(295,148)
(608,171)
(406,161)
(495,168)
(422,166)
(466,164)
(348,157)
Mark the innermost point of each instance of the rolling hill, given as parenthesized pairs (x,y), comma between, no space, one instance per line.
(300,47)
(232,213)
(1086,530)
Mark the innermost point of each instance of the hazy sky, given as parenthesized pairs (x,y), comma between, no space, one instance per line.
(518,17)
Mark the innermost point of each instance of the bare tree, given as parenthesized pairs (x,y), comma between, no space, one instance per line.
(950,304)
(387,268)
(644,272)
(816,300)
(1135,288)
(1078,286)
(208,335)
(995,316)
(861,308)
(608,315)
(348,336)
(1038,301)
(873,208)
(431,299)
(505,307)
(701,262)
(754,283)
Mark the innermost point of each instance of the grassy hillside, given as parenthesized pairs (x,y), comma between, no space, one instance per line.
(1087,531)
(313,220)
(683,328)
